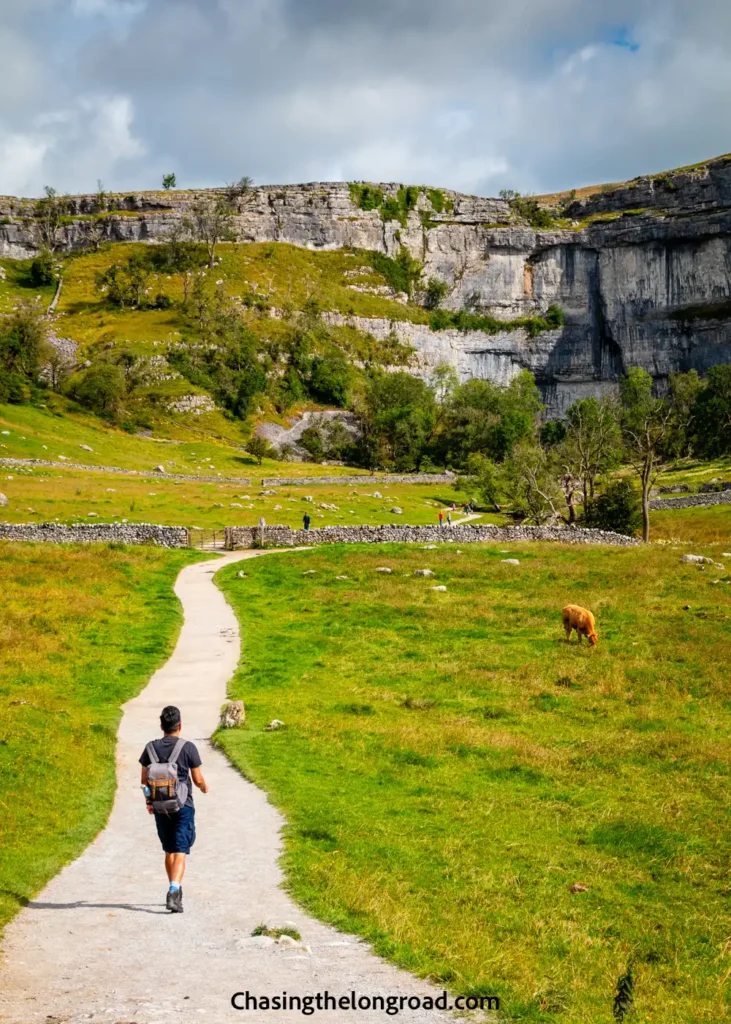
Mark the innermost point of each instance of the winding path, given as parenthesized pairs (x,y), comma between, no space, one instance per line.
(97,944)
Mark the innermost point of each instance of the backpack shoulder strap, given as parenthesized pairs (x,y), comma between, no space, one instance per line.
(152,753)
(176,751)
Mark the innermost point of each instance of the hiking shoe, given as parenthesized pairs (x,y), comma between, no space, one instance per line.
(169,900)
(175,901)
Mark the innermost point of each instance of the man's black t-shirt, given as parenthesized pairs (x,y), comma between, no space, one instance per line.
(187,759)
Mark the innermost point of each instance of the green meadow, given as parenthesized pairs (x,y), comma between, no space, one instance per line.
(487,804)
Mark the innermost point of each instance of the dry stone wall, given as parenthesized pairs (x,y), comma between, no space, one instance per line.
(359,481)
(284,536)
(161,474)
(693,500)
(97,533)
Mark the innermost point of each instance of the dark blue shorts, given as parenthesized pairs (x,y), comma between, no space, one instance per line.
(177,831)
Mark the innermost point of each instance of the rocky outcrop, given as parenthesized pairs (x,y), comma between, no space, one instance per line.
(642,271)
(283,536)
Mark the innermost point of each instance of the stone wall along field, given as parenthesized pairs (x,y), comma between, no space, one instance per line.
(355,481)
(283,536)
(99,533)
(716,498)
(243,481)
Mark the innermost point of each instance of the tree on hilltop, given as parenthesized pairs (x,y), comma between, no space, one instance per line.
(211,222)
(169,181)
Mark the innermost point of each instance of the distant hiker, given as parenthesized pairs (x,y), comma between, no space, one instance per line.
(168,764)
(306,520)
(441,519)
(449,518)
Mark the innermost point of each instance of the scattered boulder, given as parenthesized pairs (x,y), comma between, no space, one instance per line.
(700,560)
(510,561)
(4,501)
(423,572)
(268,494)
(342,577)
(86,447)
(287,942)
(94,515)
(376,494)
(578,887)
(308,497)
(275,724)
(310,572)
(396,511)
(232,714)
(241,575)
(381,568)
(235,504)
(159,469)
(442,590)
(430,547)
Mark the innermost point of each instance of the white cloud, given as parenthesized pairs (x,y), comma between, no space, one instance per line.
(110,8)
(21,159)
(477,94)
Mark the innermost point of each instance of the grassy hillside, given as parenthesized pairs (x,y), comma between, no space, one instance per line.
(82,631)
(451,768)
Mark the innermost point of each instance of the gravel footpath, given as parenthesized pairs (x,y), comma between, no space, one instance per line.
(97,943)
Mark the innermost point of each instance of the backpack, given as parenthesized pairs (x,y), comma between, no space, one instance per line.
(168,793)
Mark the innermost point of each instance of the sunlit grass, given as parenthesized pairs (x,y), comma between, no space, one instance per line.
(450,767)
(81,631)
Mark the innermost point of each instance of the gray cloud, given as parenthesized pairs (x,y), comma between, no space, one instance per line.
(475,94)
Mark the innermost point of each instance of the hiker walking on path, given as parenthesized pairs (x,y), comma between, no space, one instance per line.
(441,518)
(306,521)
(168,764)
(449,518)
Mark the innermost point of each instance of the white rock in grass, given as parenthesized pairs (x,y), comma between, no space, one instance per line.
(161,469)
(310,572)
(86,447)
(430,547)
(376,494)
(423,572)
(94,515)
(396,511)
(383,569)
(510,561)
(442,590)
(342,577)
(308,497)
(4,501)
(697,559)
(275,724)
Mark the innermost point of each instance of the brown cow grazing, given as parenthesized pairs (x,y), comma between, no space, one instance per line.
(575,617)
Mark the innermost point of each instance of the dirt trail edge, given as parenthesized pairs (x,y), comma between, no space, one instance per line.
(97,944)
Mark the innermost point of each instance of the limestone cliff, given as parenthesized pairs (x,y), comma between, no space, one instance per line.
(642,271)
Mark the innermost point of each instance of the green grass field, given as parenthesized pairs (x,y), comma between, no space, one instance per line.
(38,495)
(450,767)
(81,631)
(59,430)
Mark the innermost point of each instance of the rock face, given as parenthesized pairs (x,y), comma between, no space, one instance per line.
(642,271)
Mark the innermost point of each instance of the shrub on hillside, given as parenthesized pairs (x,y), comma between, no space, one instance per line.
(619,509)
(100,389)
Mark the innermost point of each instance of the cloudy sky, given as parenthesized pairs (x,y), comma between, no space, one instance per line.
(475,95)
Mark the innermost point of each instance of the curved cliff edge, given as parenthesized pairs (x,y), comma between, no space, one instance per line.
(641,270)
